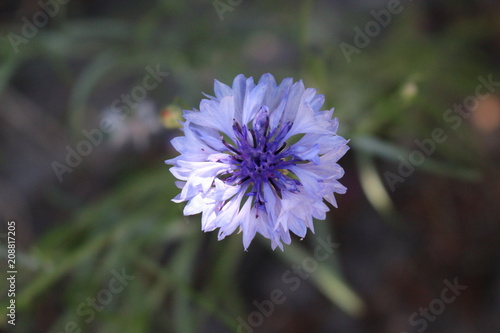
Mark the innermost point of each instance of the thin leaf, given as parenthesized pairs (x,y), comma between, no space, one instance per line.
(328,281)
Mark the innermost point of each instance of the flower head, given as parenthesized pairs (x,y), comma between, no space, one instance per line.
(259,157)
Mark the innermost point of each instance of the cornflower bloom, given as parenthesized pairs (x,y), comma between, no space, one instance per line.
(259,157)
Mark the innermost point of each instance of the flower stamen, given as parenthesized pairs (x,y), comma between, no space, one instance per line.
(261,158)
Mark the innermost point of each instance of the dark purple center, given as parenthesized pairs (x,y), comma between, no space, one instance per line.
(261,156)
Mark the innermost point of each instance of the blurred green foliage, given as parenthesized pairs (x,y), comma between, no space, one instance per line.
(393,91)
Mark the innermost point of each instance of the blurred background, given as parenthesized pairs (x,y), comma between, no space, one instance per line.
(90,95)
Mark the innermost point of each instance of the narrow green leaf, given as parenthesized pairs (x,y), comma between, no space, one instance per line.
(328,281)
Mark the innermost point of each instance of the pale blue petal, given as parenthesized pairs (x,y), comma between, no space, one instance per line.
(222,90)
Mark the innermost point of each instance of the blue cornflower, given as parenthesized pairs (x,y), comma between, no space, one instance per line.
(259,157)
